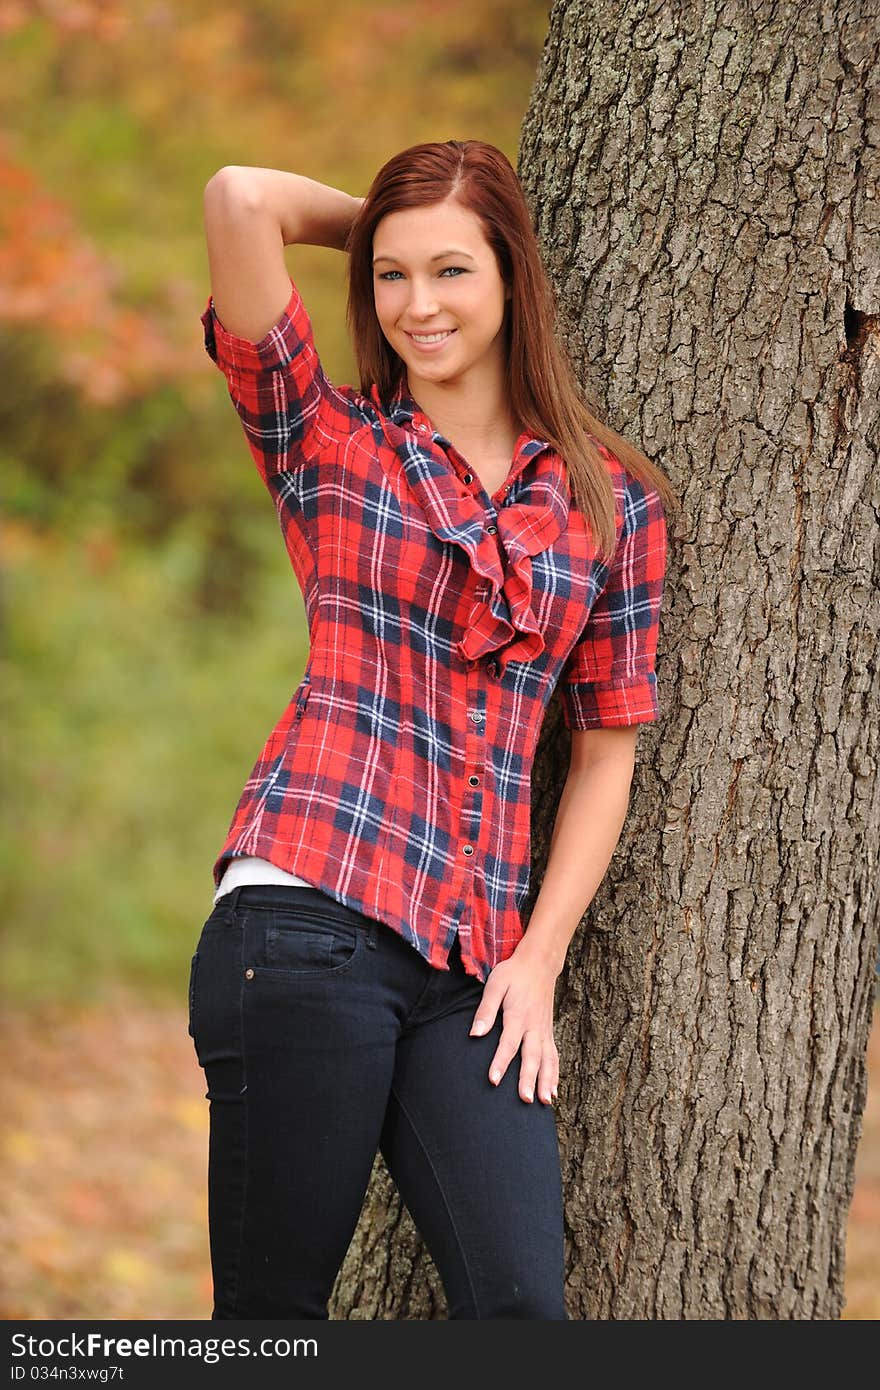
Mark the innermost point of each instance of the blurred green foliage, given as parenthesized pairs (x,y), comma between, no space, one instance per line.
(153,627)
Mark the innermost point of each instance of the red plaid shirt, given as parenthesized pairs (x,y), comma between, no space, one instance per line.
(440,619)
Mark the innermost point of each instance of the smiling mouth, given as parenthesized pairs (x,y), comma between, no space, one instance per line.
(428,338)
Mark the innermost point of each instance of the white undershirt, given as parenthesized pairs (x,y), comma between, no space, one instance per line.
(248,869)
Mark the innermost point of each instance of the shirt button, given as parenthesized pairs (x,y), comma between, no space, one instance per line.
(477,715)
(467,849)
(491,530)
(468,477)
(422,429)
(473,781)
(492,667)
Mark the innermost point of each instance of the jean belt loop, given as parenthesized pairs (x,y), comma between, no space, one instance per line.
(232,897)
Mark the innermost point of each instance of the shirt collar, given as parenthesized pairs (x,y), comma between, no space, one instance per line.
(402,407)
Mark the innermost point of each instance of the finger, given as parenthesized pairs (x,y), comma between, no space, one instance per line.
(485,1016)
(548,1077)
(529,1067)
(505,1052)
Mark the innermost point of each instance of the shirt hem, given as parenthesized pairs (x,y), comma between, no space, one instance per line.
(303,867)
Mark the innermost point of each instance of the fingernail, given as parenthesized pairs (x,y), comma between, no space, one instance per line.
(530,1095)
(495,1076)
(479,1026)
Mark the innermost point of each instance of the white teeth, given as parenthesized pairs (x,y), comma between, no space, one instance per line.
(429,337)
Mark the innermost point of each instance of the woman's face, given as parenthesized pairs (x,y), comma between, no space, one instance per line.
(435,273)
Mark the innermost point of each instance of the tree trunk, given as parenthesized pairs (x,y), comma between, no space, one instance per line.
(705,193)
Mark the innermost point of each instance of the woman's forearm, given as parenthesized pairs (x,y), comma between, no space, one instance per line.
(592,810)
(309,213)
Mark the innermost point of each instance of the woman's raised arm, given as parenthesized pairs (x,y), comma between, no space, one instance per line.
(251,214)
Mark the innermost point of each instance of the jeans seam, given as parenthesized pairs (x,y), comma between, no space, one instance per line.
(440,1188)
(418,1004)
(245,1181)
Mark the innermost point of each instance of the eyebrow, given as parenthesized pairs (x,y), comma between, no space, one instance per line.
(453,251)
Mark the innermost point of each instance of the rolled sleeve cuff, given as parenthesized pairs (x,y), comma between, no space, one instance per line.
(276,349)
(610,704)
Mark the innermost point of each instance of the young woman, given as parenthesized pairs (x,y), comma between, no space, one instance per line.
(467,537)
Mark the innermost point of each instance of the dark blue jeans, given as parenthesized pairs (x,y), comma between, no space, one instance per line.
(323,1036)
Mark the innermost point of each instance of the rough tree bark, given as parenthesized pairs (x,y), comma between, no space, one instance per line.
(704,181)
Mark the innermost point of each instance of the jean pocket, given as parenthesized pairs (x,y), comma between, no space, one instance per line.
(297,942)
(193,970)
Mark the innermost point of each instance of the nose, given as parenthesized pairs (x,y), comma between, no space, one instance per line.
(422,304)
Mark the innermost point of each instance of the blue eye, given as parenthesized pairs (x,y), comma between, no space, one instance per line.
(458,269)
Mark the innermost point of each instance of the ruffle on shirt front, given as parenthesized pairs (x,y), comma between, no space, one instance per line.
(503,620)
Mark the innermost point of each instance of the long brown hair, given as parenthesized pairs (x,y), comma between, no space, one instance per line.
(541,384)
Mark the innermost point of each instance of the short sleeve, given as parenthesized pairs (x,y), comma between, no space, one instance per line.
(287,406)
(609,678)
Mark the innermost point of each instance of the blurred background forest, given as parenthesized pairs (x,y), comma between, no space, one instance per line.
(153,630)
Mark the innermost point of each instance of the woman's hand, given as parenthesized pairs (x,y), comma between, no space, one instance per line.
(523,986)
